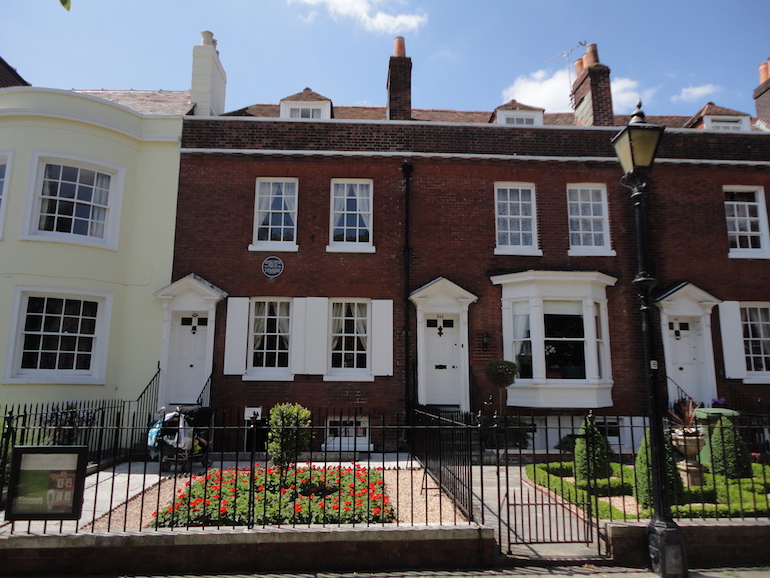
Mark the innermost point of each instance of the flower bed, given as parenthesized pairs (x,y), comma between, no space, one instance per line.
(271,495)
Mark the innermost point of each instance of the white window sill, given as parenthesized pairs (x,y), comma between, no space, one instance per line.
(748,254)
(351,375)
(268,377)
(81,240)
(758,379)
(53,380)
(276,246)
(531,251)
(580,252)
(350,248)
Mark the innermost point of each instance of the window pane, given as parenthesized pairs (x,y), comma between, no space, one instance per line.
(515,212)
(744,224)
(270,334)
(276,210)
(351,213)
(587,213)
(77,185)
(349,335)
(54,328)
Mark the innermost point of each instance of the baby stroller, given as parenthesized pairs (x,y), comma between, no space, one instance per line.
(182,437)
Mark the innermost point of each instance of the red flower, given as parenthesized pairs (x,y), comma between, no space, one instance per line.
(377,511)
(223,509)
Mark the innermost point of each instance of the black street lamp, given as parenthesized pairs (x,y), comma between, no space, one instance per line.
(636,146)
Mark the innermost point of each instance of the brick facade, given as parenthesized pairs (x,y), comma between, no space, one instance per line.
(440,223)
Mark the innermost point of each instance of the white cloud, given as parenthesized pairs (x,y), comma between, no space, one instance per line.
(551,91)
(696,93)
(365,12)
(543,90)
(309,18)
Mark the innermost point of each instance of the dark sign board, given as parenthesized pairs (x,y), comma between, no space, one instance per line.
(46,483)
(272,267)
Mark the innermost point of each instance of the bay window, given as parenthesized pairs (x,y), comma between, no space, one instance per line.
(555,327)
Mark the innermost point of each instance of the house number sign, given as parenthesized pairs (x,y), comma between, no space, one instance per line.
(272,267)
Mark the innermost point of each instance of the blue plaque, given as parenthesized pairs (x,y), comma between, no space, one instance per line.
(272,267)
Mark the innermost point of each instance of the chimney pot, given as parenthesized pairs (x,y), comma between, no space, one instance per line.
(579,66)
(763,73)
(207,38)
(591,56)
(399,47)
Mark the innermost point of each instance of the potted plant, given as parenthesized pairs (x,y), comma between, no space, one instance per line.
(688,439)
(502,373)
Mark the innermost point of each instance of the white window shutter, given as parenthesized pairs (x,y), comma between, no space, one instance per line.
(732,339)
(316,335)
(381,337)
(236,335)
(298,330)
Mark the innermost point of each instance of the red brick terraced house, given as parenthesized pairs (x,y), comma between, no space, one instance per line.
(367,257)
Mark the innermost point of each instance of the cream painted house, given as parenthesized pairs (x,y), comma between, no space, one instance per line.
(88,195)
(87,210)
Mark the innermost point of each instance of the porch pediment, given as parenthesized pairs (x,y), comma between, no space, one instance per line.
(687,299)
(193,284)
(442,292)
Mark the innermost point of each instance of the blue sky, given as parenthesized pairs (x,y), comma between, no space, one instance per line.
(468,55)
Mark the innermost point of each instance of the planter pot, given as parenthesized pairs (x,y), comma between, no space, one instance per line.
(689,444)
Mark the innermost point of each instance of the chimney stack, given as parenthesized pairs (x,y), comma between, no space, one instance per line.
(399,83)
(591,91)
(762,94)
(207,89)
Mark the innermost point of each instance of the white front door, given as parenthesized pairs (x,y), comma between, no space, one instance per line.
(687,362)
(443,373)
(187,361)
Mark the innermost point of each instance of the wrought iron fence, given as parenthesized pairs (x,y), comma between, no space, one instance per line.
(537,478)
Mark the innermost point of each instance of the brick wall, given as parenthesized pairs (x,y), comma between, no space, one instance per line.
(453,232)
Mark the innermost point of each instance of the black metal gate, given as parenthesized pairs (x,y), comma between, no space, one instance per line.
(510,490)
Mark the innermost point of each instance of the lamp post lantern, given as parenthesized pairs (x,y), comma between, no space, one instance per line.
(636,146)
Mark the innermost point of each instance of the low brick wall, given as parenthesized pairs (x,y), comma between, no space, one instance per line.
(708,543)
(260,550)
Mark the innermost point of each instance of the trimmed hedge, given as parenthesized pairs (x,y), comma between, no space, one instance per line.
(674,484)
(729,455)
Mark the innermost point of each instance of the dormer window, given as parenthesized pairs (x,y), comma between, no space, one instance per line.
(514,113)
(306,105)
(305,112)
(727,123)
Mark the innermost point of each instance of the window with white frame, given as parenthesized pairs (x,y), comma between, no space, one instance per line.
(755,322)
(340,339)
(270,337)
(555,328)
(746,220)
(521,118)
(347,433)
(351,216)
(516,220)
(589,228)
(349,335)
(727,123)
(59,337)
(275,216)
(306,110)
(75,202)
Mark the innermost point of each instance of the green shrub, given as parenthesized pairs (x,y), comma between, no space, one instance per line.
(729,455)
(592,452)
(506,432)
(674,484)
(500,372)
(289,433)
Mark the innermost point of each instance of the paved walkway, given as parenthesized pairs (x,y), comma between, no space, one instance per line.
(520,572)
